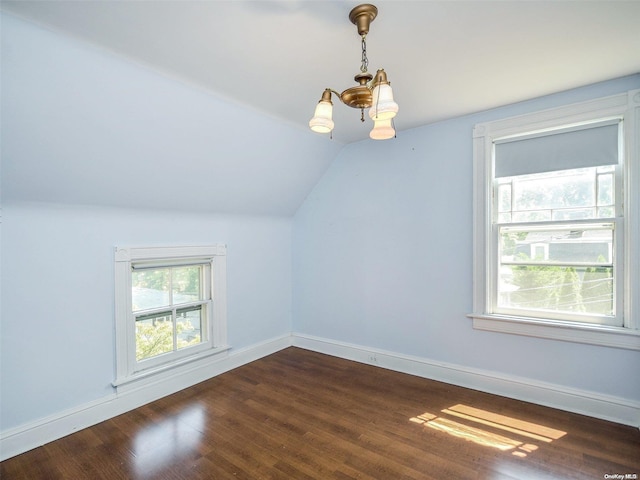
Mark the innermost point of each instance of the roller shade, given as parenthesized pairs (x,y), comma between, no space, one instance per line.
(182,262)
(586,147)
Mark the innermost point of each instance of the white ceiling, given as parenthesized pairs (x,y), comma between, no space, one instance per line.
(444,58)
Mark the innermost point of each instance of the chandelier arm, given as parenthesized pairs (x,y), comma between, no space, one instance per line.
(339,95)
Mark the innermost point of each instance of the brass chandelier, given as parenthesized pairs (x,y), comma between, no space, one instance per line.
(372,92)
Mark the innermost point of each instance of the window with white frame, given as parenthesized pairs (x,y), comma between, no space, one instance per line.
(170,307)
(556,223)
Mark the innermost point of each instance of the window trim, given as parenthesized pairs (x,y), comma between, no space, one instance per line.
(625,106)
(125,258)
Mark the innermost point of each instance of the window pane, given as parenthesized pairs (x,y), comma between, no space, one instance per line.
(605,189)
(571,188)
(186,284)
(532,216)
(504,218)
(150,288)
(189,325)
(504,197)
(154,335)
(564,269)
(586,290)
(569,244)
(606,212)
(564,195)
(574,214)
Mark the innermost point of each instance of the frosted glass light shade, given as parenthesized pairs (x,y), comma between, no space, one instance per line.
(382,130)
(383,106)
(321,121)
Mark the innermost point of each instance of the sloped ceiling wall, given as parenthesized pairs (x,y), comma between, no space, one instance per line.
(83,126)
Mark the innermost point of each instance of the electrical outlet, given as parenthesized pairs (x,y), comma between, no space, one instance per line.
(372,358)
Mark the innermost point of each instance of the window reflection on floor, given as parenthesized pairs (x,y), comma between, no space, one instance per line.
(519,437)
(157,445)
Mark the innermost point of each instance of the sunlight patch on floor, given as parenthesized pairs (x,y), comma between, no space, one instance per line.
(481,436)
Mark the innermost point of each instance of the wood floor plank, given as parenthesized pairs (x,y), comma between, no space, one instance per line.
(303,415)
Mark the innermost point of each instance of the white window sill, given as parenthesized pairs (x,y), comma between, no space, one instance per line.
(616,337)
(168,370)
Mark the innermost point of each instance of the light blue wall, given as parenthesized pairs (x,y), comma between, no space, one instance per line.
(383,258)
(90,142)
(57,334)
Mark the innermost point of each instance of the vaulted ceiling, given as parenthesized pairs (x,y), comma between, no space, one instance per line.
(444,58)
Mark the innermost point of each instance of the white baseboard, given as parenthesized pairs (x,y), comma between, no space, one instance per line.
(34,434)
(606,407)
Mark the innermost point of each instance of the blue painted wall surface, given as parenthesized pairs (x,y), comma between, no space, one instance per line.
(383,258)
(99,152)
(57,334)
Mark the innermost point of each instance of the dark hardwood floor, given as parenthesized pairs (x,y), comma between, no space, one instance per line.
(303,415)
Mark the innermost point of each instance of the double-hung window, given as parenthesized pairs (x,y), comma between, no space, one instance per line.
(556,223)
(170,308)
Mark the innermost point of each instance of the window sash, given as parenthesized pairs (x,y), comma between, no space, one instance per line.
(205,290)
(496,262)
(176,351)
(602,187)
(498,291)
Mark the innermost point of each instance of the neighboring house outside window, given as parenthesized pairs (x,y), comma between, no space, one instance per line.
(557,214)
(170,308)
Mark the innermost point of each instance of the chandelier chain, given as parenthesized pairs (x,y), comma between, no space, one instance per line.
(365,60)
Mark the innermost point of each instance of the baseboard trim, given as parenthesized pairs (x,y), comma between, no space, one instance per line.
(26,437)
(606,407)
